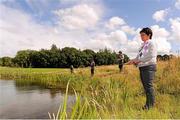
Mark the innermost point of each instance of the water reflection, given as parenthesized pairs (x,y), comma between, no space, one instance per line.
(29,101)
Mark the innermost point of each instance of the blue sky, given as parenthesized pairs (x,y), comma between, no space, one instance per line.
(136,13)
(94,24)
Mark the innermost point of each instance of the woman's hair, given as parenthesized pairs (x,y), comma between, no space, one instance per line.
(120,52)
(147,31)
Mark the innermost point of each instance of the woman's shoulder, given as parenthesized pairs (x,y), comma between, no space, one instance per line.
(152,43)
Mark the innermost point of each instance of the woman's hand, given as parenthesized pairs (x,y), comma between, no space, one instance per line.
(133,61)
(136,62)
(129,63)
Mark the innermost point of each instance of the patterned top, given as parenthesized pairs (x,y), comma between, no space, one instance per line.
(147,53)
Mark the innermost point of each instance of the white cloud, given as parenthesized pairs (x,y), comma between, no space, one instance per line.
(159,32)
(114,40)
(160,36)
(177,4)
(132,46)
(129,30)
(78,17)
(118,36)
(31,35)
(175,29)
(160,15)
(115,22)
(25,33)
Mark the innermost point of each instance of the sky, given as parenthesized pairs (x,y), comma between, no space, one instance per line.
(88,24)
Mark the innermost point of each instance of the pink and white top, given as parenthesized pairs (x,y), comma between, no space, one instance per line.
(147,53)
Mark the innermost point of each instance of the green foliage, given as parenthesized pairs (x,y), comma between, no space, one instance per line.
(61,58)
(23,58)
(6,61)
(105,57)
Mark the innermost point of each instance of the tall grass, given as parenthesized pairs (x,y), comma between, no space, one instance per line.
(109,94)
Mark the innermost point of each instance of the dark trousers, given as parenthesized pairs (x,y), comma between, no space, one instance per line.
(147,75)
(92,71)
(120,67)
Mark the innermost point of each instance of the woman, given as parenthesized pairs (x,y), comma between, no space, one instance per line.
(146,61)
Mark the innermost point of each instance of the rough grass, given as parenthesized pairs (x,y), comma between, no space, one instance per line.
(109,94)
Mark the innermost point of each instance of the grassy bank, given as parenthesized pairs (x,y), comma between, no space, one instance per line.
(109,94)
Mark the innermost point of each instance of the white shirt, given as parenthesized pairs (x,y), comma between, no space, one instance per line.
(147,53)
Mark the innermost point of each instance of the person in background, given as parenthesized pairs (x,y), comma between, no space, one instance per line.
(120,61)
(72,69)
(92,67)
(146,61)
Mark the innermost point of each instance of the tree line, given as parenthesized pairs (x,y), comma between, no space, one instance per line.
(60,58)
(164,57)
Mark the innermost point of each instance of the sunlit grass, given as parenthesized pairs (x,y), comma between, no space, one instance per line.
(109,94)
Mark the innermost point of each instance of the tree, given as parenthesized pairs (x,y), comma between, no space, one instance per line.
(61,58)
(22,58)
(54,56)
(71,56)
(126,58)
(1,62)
(40,59)
(88,55)
(105,57)
(6,61)
(54,48)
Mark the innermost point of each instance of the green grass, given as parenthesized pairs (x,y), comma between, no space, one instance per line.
(109,94)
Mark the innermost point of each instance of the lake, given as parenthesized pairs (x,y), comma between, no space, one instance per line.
(33,102)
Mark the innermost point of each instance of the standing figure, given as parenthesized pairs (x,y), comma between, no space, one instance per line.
(92,67)
(120,60)
(146,61)
(72,69)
